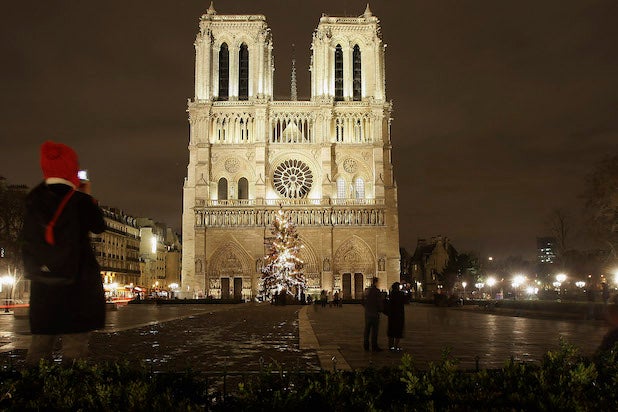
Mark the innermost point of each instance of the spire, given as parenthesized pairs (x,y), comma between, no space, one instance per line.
(367,12)
(211,10)
(293,94)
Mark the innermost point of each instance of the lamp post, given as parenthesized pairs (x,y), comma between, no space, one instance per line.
(7,280)
(518,280)
(479,286)
(560,278)
(491,282)
(463,285)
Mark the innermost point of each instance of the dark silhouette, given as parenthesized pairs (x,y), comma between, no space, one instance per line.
(372,301)
(396,317)
(67,311)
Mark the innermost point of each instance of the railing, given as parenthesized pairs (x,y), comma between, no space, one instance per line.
(288,202)
(346,214)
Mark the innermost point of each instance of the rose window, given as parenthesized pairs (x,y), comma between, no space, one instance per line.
(293,179)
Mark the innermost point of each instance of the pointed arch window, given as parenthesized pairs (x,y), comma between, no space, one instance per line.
(243,188)
(243,72)
(359,188)
(224,72)
(356,74)
(339,130)
(338,73)
(341,188)
(222,189)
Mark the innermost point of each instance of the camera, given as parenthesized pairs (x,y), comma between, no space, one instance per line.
(82,175)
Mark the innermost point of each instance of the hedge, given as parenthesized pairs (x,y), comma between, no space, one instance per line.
(564,380)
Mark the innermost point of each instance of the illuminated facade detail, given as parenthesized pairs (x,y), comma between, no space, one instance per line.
(326,160)
(293,179)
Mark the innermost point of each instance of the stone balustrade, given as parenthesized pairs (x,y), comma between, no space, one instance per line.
(231,213)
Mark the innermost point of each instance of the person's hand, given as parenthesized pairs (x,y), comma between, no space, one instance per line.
(85,187)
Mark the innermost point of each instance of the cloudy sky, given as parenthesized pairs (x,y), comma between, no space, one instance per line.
(501,107)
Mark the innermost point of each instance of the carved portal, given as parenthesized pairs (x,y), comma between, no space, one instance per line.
(354,256)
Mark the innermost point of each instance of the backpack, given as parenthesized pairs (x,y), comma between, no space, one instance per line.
(50,248)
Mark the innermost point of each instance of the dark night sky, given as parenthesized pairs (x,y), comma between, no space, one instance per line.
(501,107)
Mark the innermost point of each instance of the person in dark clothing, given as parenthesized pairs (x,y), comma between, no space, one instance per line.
(396,317)
(373,305)
(68,312)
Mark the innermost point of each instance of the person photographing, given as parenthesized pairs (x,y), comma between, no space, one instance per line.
(67,301)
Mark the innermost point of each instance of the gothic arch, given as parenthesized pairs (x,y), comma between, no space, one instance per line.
(354,256)
(230,259)
(309,256)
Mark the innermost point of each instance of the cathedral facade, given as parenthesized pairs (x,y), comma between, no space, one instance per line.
(326,161)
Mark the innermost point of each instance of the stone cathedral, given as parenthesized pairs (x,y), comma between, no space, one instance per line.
(326,161)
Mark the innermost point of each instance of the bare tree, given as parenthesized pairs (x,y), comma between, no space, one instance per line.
(601,198)
(560,225)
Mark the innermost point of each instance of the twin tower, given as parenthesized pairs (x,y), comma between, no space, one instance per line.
(326,161)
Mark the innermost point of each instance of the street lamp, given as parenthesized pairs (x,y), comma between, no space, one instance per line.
(560,278)
(9,281)
(518,280)
(479,286)
(491,282)
(464,284)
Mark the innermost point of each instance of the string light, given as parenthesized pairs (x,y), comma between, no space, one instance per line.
(282,268)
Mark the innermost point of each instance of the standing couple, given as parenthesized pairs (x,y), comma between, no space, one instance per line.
(374,303)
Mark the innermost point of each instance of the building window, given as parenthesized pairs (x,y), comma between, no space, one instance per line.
(359,188)
(222,189)
(339,130)
(338,73)
(224,72)
(243,188)
(243,73)
(341,188)
(356,74)
(293,179)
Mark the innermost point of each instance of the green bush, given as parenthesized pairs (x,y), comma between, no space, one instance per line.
(564,380)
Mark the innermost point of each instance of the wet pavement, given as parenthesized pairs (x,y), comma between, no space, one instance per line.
(247,337)
(469,334)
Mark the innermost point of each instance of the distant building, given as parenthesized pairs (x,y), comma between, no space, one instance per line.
(117,251)
(136,255)
(546,250)
(429,261)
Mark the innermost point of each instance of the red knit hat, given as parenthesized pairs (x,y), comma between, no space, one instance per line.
(59,160)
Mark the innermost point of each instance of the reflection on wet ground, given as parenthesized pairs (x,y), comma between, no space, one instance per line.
(471,336)
(247,337)
(236,340)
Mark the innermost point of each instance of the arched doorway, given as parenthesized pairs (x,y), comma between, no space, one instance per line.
(229,271)
(354,261)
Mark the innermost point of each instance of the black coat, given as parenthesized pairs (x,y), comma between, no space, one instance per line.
(79,307)
(396,315)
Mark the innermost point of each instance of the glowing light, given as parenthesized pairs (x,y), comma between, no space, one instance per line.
(561,277)
(518,280)
(491,282)
(580,284)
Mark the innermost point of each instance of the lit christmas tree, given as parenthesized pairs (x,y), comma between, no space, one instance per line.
(281,271)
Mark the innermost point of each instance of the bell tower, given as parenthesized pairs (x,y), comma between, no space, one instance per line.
(325,161)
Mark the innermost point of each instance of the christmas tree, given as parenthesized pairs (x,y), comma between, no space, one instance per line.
(281,271)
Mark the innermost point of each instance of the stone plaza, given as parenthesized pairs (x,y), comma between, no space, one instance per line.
(250,336)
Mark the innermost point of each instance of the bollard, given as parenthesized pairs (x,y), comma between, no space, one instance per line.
(334,360)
